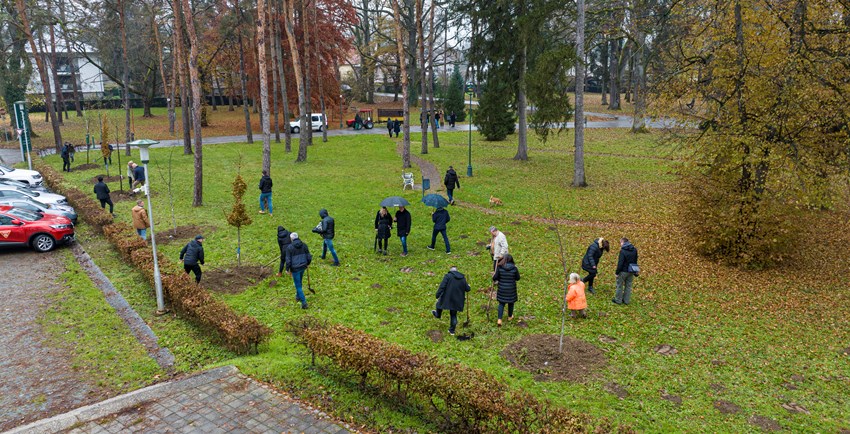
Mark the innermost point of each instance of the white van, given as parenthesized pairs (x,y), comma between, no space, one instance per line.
(319,123)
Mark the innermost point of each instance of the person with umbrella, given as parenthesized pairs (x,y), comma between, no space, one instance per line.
(403,222)
(440,217)
(450,296)
(383,229)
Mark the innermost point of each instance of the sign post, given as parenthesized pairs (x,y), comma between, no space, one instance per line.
(22,126)
(470,89)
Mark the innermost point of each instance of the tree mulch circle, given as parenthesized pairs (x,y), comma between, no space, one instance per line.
(235,279)
(181,233)
(726,407)
(666,350)
(765,423)
(538,354)
(107,179)
(436,336)
(87,166)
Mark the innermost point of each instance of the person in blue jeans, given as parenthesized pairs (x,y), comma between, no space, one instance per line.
(440,217)
(298,259)
(402,225)
(325,228)
(266,193)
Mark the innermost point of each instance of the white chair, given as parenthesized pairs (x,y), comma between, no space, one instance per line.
(407,178)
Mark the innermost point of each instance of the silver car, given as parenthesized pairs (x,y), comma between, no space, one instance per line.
(36,206)
(7,192)
(14,183)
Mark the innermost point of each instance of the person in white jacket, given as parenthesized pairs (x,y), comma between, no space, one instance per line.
(498,246)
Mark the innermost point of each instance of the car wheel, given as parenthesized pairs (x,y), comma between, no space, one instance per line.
(296,130)
(43,243)
(321,128)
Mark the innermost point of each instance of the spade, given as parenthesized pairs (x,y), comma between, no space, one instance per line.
(309,286)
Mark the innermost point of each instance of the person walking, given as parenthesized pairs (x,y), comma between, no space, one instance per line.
(140,220)
(628,256)
(506,276)
(440,217)
(297,260)
(452,119)
(390,127)
(325,228)
(138,177)
(101,190)
(266,193)
(383,229)
(402,226)
(498,246)
(283,241)
(71,151)
(437,119)
(451,180)
(576,300)
(192,257)
(450,296)
(590,261)
(396,127)
(66,158)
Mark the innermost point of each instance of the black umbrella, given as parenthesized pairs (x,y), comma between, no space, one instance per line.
(394,201)
(435,200)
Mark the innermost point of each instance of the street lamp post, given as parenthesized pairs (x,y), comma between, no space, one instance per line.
(469,89)
(144,155)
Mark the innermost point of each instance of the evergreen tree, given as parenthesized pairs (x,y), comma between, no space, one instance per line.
(455,98)
(496,115)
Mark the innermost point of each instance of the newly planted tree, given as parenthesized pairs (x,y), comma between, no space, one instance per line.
(238,217)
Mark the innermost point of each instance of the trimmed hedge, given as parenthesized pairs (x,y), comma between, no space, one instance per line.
(240,333)
(469,399)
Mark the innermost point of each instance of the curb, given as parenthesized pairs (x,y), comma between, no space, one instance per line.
(113,405)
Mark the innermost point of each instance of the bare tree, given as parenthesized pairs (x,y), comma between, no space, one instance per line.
(182,73)
(433,105)
(423,115)
(72,63)
(289,12)
(405,154)
(54,61)
(125,73)
(197,199)
(287,132)
(264,84)
(578,163)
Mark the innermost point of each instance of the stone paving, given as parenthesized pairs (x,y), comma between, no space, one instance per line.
(217,401)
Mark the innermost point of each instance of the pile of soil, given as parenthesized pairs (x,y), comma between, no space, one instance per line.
(234,280)
(538,354)
(180,233)
(87,166)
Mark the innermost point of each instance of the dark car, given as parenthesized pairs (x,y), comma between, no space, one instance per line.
(42,232)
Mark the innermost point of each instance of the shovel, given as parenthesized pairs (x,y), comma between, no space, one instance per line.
(309,286)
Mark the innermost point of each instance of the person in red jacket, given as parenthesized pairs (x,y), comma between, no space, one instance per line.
(576,301)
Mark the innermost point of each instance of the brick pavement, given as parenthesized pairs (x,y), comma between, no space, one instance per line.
(217,401)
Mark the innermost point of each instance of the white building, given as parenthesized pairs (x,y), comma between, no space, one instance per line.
(91,82)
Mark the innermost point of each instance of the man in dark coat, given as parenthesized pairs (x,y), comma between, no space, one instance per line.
(325,228)
(440,217)
(66,157)
(396,127)
(138,177)
(192,256)
(283,241)
(590,261)
(402,226)
(390,127)
(450,296)
(266,193)
(298,259)
(451,181)
(628,256)
(452,119)
(102,192)
(506,275)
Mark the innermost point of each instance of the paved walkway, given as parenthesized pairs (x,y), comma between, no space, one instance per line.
(217,401)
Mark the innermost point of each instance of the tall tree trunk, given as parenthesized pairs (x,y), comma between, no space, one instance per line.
(405,154)
(72,62)
(230,91)
(289,18)
(275,77)
(60,99)
(161,62)
(433,105)
(639,75)
(604,57)
(244,80)
(578,162)
(287,132)
(614,73)
(182,73)
(263,72)
(341,100)
(320,81)
(198,198)
(307,135)
(125,74)
(423,87)
(522,104)
(213,89)
(42,72)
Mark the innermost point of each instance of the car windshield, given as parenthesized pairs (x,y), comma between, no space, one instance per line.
(24,214)
(6,168)
(26,191)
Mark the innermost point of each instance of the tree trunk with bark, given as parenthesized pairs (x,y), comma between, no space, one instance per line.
(307,135)
(423,104)
(198,198)
(125,74)
(244,79)
(160,61)
(182,74)
(60,99)
(71,62)
(289,18)
(262,71)
(578,162)
(405,154)
(614,73)
(522,105)
(433,106)
(604,57)
(287,132)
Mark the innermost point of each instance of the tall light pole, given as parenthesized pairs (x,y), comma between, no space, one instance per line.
(144,155)
(470,89)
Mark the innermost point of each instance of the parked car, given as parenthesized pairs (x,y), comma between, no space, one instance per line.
(19,192)
(316,119)
(31,177)
(36,206)
(42,232)
(12,182)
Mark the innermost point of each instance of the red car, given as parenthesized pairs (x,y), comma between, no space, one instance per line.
(40,231)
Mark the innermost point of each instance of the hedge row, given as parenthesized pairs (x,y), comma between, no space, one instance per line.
(241,333)
(469,399)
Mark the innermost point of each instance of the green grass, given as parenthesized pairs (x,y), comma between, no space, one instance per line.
(101,345)
(759,328)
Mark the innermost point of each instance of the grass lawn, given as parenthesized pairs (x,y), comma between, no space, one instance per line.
(758,340)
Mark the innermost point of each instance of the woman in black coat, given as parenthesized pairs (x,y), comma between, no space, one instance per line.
(383,229)
(506,276)
(591,260)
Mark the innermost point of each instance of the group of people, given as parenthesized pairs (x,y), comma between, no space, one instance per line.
(627,269)
(393,126)
(439,115)
(136,177)
(67,154)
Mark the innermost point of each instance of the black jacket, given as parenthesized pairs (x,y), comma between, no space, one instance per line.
(451,180)
(507,275)
(66,152)
(628,255)
(101,190)
(266,184)
(192,253)
(591,258)
(396,126)
(440,218)
(450,296)
(402,222)
(283,239)
(384,225)
(298,256)
(326,227)
(139,173)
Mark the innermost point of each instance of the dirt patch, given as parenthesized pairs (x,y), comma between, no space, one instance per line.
(617,389)
(765,423)
(235,279)
(717,362)
(675,399)
(107,179)
(797,378)
(393,309)
(516,223)
(845,352)
(666,350)
(789,386)
(377,286)
(605,339)
(793,407)
(436,336)
(726,407)
(181,233)
(522,324)
(406,269)
(87,166)
(717,387)
(463,236)
(538,354)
